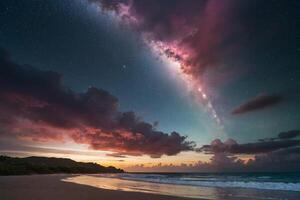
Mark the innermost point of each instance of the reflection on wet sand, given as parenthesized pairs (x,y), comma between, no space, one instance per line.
(179,190)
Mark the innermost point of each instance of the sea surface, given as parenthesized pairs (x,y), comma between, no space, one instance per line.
(220,186)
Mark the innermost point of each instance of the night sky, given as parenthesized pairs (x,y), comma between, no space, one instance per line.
(149,85)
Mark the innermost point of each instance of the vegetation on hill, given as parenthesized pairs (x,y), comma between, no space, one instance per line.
(44,165)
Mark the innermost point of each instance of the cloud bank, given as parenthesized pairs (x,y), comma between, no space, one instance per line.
(279,155)
(282,153)
(286,160)
(35,105)
(232,147)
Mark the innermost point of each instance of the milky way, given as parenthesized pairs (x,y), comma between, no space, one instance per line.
(196,40)
(191,82)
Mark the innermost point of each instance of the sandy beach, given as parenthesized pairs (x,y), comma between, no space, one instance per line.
(50,187)
(95,187)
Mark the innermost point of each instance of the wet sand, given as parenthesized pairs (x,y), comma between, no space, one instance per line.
(50,187)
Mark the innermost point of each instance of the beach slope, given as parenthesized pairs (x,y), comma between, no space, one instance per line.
(50,187)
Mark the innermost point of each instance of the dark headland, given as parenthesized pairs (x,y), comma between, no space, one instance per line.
(45,165)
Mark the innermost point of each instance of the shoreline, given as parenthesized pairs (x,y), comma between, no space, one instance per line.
(93,187)
(50,187)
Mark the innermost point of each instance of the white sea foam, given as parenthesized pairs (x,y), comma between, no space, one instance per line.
(213,182)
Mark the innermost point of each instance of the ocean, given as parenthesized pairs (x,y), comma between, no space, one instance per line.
(216,186)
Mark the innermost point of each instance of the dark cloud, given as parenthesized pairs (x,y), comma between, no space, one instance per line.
(289,134)
(258,103)
(282,141)
(283,136)
(36,105)
(232,147)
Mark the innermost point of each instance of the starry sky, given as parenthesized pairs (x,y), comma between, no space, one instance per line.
(180,85)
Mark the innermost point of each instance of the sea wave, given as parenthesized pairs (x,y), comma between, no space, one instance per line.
(213,182)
